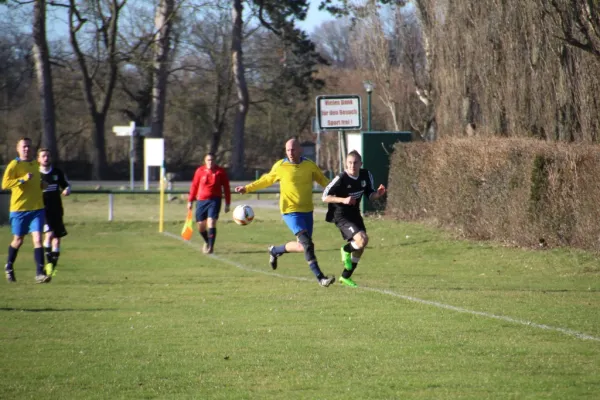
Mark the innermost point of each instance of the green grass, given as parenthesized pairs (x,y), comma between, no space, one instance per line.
(137,314)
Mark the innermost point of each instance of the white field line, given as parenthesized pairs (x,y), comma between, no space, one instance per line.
(565,331)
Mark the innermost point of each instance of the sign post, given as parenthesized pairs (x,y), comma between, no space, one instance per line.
(131,131)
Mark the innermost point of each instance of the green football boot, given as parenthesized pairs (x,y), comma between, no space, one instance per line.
(347,282)
(49,269)
(346,259)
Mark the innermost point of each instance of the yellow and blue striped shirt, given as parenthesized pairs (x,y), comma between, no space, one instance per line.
(296,184)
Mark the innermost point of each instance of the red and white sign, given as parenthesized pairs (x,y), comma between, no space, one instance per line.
(339,112)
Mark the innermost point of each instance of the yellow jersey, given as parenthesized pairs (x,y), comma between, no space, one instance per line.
(296,184)
(26,195)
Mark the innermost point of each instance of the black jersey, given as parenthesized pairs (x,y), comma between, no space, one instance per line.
(344,185)
(57,182)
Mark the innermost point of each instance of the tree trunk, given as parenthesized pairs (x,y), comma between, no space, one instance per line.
(237,157)
(43,71)
(99,148)
(163,23)
(220,113)
(425,91)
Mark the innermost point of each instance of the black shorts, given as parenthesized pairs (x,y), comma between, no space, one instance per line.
(54,223)
(350,227)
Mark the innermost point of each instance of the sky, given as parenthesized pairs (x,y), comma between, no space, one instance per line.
(314,17)
(56,25)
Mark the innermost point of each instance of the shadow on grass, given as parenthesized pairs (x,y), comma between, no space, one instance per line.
(320,249)
(55,309)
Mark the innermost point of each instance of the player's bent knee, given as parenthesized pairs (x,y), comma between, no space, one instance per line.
(361,239)
(17,242)
(365,240)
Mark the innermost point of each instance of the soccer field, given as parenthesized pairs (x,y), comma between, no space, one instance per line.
(133,313)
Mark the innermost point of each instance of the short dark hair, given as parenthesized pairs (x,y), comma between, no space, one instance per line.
(355,154)
(210,153)
(24,138)
(43,149)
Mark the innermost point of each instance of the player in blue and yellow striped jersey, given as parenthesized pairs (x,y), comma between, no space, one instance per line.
(22,177)
(295,175)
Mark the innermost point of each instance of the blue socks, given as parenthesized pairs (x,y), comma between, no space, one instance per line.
(38,255)
(12,256)
(314,267)
(212,236)
(204,236)
(279,250)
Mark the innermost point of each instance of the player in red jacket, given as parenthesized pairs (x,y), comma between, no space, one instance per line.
(209,184)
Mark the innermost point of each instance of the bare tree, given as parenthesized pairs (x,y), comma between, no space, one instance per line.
(426,10)
(371,46)
(211,41)
(163,24)
(15,83)
(41,56)
(237,59)
(299,58)
(99,69)
(333,42)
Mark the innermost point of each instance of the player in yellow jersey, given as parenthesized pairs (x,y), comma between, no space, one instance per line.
(22,177)
(295,175)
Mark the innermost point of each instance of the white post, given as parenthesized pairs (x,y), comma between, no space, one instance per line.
(131,156)
(110,206)
(146,178)
(318,146)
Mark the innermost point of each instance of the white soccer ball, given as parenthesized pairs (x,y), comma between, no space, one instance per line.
(243,215)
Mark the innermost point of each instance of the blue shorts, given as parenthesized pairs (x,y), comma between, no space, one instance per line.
(299,221)
(24,222)
(208,209)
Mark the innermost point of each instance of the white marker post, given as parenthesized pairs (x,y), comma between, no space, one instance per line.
(131,131)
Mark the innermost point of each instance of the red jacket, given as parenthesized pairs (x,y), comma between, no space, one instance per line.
(209,184)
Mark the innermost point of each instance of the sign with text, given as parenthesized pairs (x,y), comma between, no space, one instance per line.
(339,112)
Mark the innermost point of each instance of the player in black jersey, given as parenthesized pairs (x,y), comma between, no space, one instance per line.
(54,229)
(343,195)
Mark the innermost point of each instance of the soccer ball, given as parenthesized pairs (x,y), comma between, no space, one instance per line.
(243,215)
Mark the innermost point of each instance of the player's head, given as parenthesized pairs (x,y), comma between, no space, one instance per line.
(293,151)
(209,160)
(353,163)
(24,148)
(44,157)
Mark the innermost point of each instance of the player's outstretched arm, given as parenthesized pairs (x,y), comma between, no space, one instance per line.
(263,182)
